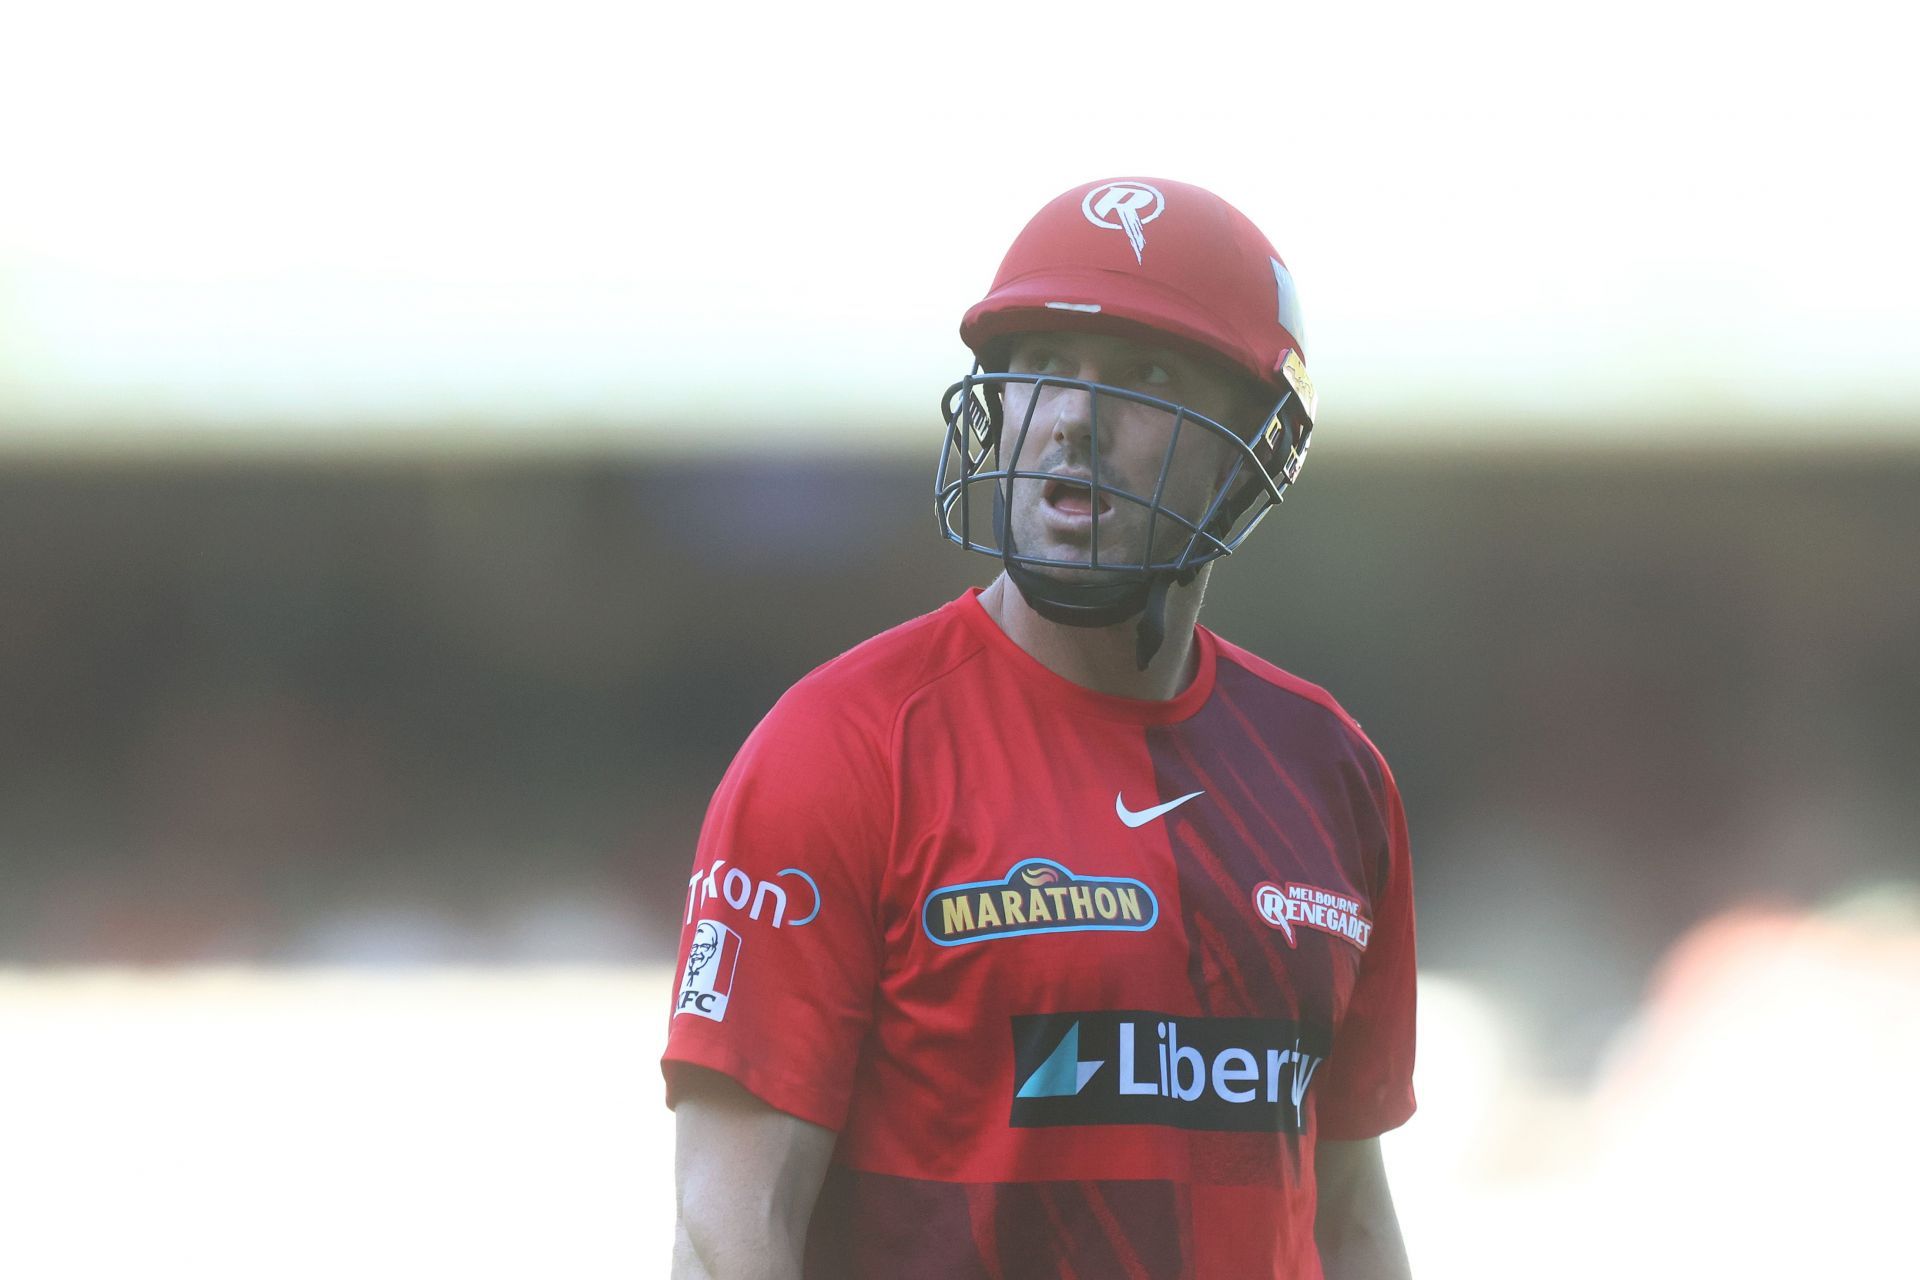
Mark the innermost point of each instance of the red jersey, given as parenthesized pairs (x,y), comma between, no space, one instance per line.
(1079,979)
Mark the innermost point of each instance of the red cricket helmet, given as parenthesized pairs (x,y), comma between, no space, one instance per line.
(1147,258)
(1155,261)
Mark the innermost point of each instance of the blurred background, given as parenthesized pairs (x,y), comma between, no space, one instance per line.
(431,436)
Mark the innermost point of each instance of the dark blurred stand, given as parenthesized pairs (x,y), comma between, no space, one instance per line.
(473,712)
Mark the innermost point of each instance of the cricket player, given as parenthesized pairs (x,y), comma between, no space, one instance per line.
(1050,934)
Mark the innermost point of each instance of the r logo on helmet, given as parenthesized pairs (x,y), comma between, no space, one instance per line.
(1124,206)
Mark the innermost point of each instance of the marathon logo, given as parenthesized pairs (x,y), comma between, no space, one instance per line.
(1124,1066)
(1290,904)
(1037,896)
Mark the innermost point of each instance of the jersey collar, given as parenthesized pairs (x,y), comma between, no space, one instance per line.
(1042,683)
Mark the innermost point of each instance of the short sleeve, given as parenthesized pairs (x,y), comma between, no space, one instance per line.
(779,946)
(1369,1074)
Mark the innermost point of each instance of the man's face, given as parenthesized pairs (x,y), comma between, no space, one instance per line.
(1055,518)
(706,939)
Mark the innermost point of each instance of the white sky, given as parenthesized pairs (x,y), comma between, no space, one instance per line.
(405,221)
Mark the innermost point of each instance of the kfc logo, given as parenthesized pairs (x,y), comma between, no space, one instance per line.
(708,981)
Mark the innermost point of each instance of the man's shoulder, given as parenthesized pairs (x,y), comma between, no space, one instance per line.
(1242,667)
(869,683)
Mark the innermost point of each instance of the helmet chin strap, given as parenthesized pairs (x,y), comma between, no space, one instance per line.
(1102,604)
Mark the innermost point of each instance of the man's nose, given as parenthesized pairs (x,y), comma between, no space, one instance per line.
(1071,411)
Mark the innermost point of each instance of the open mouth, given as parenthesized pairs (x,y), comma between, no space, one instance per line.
(1075,498)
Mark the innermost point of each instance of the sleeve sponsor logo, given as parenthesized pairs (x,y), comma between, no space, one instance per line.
(1127,1066)
(1038,895)
(1290,904)
(708,982)
(743,892)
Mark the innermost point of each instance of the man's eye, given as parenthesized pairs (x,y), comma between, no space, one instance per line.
(1154,375)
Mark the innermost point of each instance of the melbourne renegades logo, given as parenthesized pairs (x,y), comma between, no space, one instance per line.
(1284,906)
(1124,206)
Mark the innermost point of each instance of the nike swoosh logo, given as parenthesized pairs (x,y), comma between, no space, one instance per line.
(1145,816)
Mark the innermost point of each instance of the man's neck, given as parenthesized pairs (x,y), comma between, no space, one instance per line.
(1103,658)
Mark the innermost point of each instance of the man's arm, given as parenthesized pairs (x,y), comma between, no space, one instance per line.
(1354,1225)
(746,1180)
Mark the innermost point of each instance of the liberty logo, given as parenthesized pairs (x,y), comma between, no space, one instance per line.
(1063,1074)
(1125,206)
(1132,1066)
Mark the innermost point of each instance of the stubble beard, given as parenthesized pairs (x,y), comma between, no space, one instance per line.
(1122,532)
